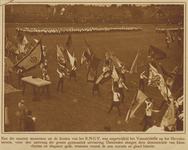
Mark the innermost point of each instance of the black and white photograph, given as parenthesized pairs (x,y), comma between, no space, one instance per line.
(93,67)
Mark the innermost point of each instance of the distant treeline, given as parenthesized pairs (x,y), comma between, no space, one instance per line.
(124,14)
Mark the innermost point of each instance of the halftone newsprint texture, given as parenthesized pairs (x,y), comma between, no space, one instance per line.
(93,75)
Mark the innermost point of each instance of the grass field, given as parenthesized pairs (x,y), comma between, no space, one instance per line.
(76,109)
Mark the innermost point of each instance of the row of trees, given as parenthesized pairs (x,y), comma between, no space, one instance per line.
(136,16)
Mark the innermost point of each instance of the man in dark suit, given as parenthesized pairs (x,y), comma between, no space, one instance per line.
(29,122)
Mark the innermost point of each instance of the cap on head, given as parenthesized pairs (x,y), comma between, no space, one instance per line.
(22,101)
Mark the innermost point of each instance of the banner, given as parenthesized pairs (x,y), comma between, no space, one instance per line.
(138,99)
(138,62)
(32,59)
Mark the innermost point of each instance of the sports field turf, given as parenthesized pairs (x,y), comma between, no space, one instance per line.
(76,109)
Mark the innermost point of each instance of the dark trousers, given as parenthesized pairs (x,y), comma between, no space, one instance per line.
(122,94)
(73,74)
(115,104)
(141,83)
(167,45)
(96,88)
(19,79)
(60,82)
(147,120)
(179,125)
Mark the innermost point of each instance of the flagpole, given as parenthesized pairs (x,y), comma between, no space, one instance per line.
(128,113)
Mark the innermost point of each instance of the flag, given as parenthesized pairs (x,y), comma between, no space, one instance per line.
(91,75)
(116,61)
(158,79)
(69,42)
(175,82)
(105,76)
(168,35)
(32,59)
(138,99)
(72,59)
(138,62)
(92,72)
(165,72)
(95,63)
(169,116)
(180,100)
(152,75)
(63,68)
(24,41)
(61,61)
(37,42)
(60,56)
(156,53)
(64,54)
(85,57)
(90,51)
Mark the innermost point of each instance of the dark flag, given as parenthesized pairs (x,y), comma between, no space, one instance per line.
(91,75)
(156,53)
(165,72)
(32,59)
(177,84)
(138,62)
(69,43)
(61,60)
(85,57)
(95,63)
(90,51)
(104,77)
(92,72)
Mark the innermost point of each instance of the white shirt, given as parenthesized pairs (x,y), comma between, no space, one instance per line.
(116,97)
(120,83)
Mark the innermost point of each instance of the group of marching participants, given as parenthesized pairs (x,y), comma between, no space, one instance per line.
(170,35)
(67,30)
(114,69)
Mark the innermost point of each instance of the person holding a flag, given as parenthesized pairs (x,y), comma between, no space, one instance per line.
(116,98)
(141,82)
(61,80)
(73,70)
(95,87)
(168,43)
(179,40)
(20,75)
(147,120)
(121,85)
